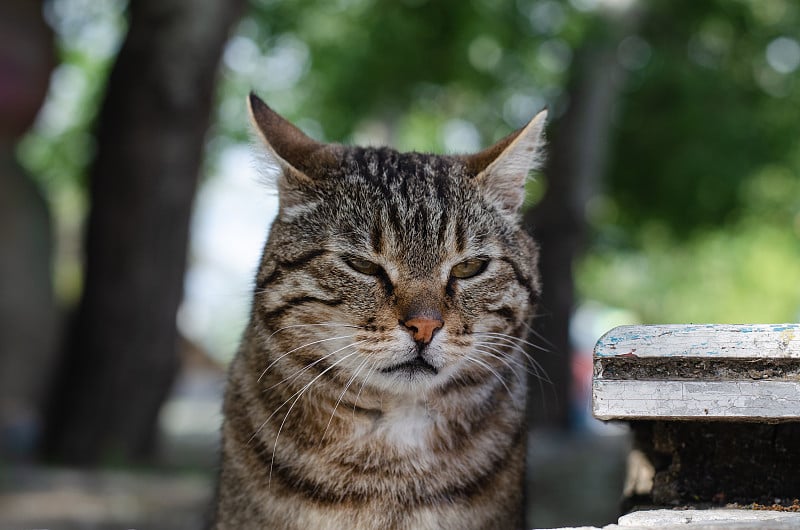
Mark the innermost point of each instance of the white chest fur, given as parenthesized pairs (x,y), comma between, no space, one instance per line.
(407,425)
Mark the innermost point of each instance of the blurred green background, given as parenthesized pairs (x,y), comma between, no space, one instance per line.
(696,215)
(672,194)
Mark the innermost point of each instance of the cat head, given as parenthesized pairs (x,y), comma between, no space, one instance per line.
(419,259)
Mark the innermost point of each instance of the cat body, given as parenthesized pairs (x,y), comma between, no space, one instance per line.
(381,381)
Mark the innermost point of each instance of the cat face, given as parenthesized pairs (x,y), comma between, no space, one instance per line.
(405,270)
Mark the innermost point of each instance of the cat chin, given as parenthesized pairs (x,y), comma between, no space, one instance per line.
(407,382)
(413,384)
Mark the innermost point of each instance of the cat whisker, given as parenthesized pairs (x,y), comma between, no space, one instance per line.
(539,336)
(279,407)
(299,348)
(501,356)
(264,423)
(493,372)
(364,382)
(511,338)
(509,366)
(503,340)
(303,370)
(517,344)
(535,368)
(344,391)
(328,324)
(299,394)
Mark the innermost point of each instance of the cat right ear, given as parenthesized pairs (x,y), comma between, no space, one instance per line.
(297,156)
(502,169)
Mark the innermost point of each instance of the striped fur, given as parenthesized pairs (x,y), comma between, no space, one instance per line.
(322,429)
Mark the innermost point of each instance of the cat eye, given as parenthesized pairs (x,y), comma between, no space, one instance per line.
(469,268)
(363,266)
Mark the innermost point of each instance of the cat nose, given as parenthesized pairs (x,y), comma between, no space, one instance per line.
(422,328)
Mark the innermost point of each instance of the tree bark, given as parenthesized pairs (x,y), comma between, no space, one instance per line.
(120,358)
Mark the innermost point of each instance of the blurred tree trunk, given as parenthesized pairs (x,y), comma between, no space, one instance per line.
(576,162)
(28,315)
(120,358)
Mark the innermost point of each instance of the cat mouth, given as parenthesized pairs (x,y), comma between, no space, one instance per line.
(417,365)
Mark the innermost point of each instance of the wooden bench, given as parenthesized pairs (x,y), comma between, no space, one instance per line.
(715,408)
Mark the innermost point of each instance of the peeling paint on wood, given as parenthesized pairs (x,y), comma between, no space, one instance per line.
(709,400)
(699,340)
(695,372)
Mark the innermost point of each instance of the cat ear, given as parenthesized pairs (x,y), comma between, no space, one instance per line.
(298,157)
(287,144)
(502,169)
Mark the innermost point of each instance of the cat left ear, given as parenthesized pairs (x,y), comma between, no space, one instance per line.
(502,169)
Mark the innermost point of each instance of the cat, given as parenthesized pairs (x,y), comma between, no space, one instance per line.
(381,380)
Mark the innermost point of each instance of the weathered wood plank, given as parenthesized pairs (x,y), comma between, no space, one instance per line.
(691,372)
(702,340)
(710,400)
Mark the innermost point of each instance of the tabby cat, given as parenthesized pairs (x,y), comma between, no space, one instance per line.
(381,381)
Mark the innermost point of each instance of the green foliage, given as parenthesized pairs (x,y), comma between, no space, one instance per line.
(746,273)
(705,114)
(701,217)
(410,65)
(741,276)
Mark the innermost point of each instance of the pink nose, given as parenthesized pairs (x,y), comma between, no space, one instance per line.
(422,329)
